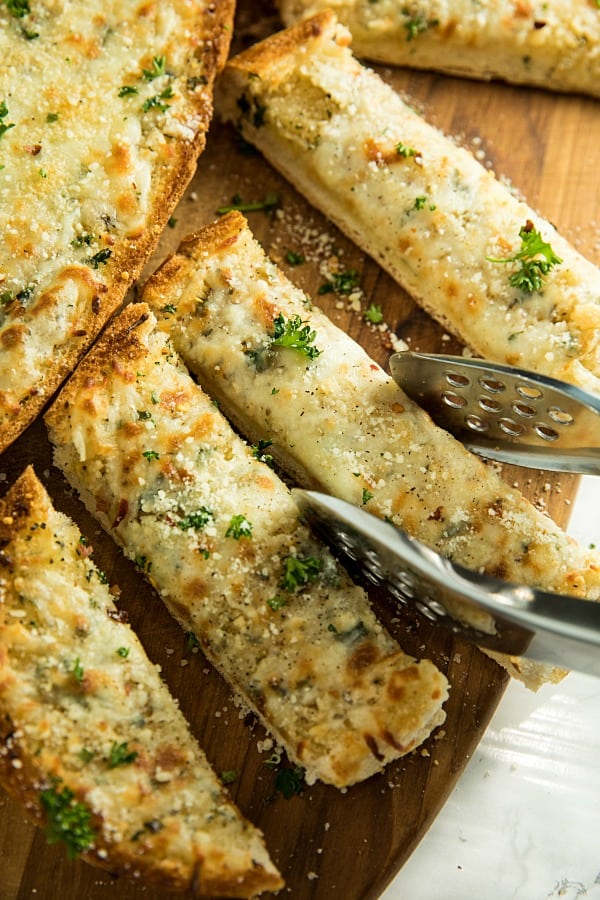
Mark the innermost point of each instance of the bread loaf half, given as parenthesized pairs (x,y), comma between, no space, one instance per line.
(454,236)
(104,109)
(554,45)
(91,741)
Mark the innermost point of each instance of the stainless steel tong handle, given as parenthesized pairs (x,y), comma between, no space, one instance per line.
(505,413)
(552,628)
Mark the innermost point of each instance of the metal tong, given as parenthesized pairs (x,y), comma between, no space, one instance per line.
(505,413)
(553,628)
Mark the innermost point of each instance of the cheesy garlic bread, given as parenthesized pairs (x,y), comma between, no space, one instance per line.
(337,422)
(219,536)
(553,44)
(91,741)
(459,241)
(104,109)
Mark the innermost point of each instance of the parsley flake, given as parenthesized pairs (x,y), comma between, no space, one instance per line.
(276,602)
(67,820)
(341,283)
(258,452)
(239,527)
(196,520)
(100,258)
(4,126)
(120,755)
(404,150)
(290,781)
(158,68)
(18,8)
(269,203)
(374,314)
(300,571)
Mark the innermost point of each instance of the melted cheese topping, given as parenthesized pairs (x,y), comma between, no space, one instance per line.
(424,208)
(165,474)
(341,424)
(100,105)
(87,711)
(551,43)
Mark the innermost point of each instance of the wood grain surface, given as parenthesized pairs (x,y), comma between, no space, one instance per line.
(331,844)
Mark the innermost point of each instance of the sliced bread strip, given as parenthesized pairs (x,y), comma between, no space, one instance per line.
(440,223)
(339,423)
(104,109)
(554,44)
(219,536)
(91,741)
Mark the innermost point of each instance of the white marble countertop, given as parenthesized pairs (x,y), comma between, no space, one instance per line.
(523,822)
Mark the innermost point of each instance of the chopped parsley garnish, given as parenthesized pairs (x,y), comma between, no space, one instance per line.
(127,90)
(196,520)
(77,671)
(421,203)
(366,496)
(290,781)
(294,334)
(374,314)
(86,755)
(67,820)
(341,283)
(269,203)
(52,117)
(150,454)
(416,24)
(100,258)
(18,8)
(158,68)
(172,222)
(228,776)
(121,755)
(82,239)
(536,258)
(294,259)
(4,126)
(299,572)
(156,102)
(169,308)
(404,150)
(144,414)
(123,652)
(239,527)
(276,602)
(258,451)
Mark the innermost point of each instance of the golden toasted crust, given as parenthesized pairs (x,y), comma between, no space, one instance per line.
(108,110)
(338,423)
(440,223)
(554,45)
(74,682)
(220,537)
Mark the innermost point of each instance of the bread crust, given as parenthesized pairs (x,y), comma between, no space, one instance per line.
(556,47)
(55,301)
(42,725)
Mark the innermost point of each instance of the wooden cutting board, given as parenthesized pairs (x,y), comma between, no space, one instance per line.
(331,844)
